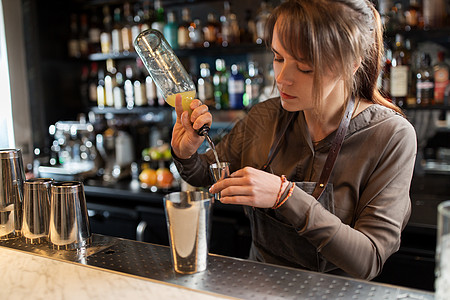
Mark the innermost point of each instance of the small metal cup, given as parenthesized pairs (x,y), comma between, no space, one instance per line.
(188,217)
(69,221)
(11,193)
(219,173)
(36,210)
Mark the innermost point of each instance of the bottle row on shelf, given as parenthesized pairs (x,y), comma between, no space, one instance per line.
(414,78)
(124,85)
(406,15)
(113,29)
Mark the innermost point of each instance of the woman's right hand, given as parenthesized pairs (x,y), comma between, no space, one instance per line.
(185,140)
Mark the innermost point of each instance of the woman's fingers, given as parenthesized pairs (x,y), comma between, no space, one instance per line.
(186,122)
(178,106)
(202,120)
(239,200)
(233,184)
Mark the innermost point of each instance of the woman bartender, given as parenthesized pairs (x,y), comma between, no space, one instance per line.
(323,171)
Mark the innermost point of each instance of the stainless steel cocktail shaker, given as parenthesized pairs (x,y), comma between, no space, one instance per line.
(11,193)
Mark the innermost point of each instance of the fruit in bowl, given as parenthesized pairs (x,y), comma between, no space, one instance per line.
(148,177)
(157,153)
(164,178)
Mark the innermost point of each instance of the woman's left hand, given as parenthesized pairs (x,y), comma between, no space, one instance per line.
(249,186)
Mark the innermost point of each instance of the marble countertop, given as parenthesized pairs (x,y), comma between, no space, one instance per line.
(114,268)
(29,276)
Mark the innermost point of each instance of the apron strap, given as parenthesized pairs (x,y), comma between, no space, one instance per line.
(334,150)
(280,132)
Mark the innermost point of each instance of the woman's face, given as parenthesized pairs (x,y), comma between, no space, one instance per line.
(294,79)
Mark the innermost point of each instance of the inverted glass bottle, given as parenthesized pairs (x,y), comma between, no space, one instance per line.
(165,68)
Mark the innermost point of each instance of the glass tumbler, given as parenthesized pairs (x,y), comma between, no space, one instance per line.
(165,68)
(11,193)
(442,283)
(36,210)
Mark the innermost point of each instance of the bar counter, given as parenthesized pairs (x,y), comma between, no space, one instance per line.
(115,268)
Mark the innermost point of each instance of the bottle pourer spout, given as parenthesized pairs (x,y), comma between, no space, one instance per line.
(203,130)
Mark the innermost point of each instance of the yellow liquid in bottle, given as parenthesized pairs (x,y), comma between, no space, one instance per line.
(186,99)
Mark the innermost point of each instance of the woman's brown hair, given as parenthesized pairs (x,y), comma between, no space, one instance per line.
(334,35)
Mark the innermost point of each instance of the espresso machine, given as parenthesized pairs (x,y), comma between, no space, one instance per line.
(73,154)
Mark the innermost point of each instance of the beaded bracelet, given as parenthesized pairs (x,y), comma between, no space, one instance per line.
(289,194)
(283,180)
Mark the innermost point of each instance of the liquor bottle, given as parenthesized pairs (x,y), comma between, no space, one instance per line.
(425,81)
(183,29)
(225,25)
(413,16)
(140,95)
(105,35)
(116,33)
(248,31)
(159,23)
(118,91)
(101,98)
(110,82)
(196,34)
(128,87)
(236,88)
(205,86)
(92,84)
(220,81)
(261,19)
(441,79)
(434,13)
(384,78)
(84,86)
(235,31)
(94,33)
(253,85)
(84,35)
(127,41)
(210,30)
(138,18)
(146,16)
(171,30)
(151,91)
(397,17)
(384,8)
(73,43)
(399,72)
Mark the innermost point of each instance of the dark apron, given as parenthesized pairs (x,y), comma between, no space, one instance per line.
(277,242)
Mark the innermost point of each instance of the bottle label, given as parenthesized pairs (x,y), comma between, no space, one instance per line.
(150,89)
(183,36)
(105,40)
(236,86)
(441,83)
(205,91)
(139,94)
(118,97)
(116,41)
(252,91)
(94,35)
(129,93)
(399,81)
(425,85)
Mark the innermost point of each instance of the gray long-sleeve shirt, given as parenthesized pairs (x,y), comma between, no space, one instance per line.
(371,180)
